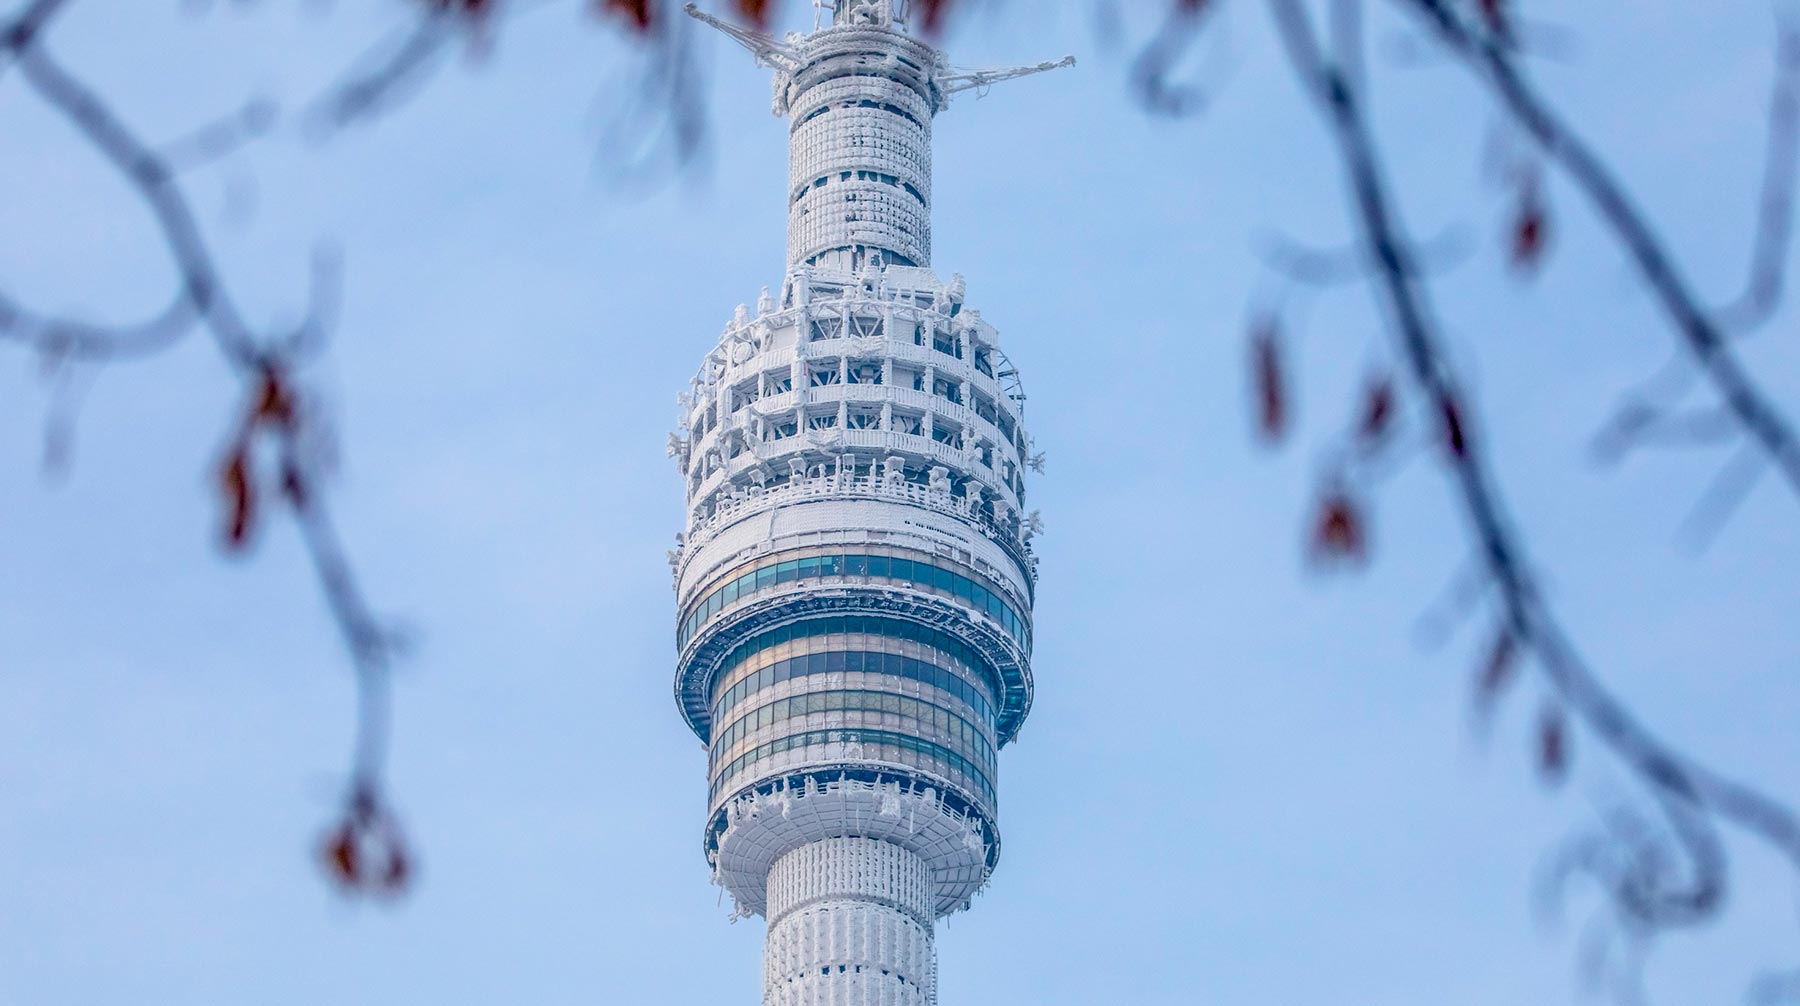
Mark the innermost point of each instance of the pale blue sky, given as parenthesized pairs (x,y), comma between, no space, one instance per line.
(1241,784)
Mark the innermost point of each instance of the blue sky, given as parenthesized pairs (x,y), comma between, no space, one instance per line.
(1241,782)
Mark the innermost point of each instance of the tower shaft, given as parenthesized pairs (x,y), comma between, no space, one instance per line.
(849,925)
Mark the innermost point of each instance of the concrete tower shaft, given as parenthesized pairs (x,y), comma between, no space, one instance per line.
(854,585)
(854,915)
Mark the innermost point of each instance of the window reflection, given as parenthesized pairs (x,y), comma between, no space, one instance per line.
(865,661)
(968,736)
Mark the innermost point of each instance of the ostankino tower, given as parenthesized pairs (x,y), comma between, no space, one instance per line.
(855,584)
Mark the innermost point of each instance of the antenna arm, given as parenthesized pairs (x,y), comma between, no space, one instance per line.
(765,48)
(967,80)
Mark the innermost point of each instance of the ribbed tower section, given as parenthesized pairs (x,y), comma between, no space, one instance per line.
(855,582)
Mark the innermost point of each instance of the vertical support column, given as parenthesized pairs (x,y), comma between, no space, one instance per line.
(849,925)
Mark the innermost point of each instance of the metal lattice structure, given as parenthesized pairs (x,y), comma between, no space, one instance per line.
(855,582)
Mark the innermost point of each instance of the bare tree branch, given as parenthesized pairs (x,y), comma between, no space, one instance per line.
(1650,890)
(1491,55)
(263,363)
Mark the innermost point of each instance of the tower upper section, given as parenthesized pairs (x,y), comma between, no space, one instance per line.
(855,582)
(859,104)
(859,96)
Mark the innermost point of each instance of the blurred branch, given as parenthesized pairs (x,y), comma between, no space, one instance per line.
(219,139)
(384,75)
(1315,266)
(1775,203)
(1647,889)
(1490,53)
(263,363)
(659,123)
(1153,69)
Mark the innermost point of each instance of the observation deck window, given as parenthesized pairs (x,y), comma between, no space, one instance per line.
(877,625)
(879,708)
(983,363)
(892,665)
(743,394)
(908,572)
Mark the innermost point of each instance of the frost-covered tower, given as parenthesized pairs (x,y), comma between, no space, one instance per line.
(855,583)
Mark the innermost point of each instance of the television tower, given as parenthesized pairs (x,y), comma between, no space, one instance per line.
(854,586)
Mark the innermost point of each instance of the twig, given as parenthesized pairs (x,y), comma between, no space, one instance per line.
(219,139)
(1151,70)
(378,83)
(1775,200)
(1724,494)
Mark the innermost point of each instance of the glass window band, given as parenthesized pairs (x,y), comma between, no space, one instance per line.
(853,661)
(872,625)
(918,572)
(942,721)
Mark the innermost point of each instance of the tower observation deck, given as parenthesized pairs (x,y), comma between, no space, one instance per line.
(854,585)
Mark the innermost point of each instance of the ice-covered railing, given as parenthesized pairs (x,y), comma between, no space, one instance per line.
(1011,532)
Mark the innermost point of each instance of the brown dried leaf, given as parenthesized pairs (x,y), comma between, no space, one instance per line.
(342,856)
(639,14)
(1268,379)
(931,15)
(755,11)
(1494,13)
(1498,670)
(1338,530)
(1377,411)
(239,496)
(274,401)
(1530,228)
